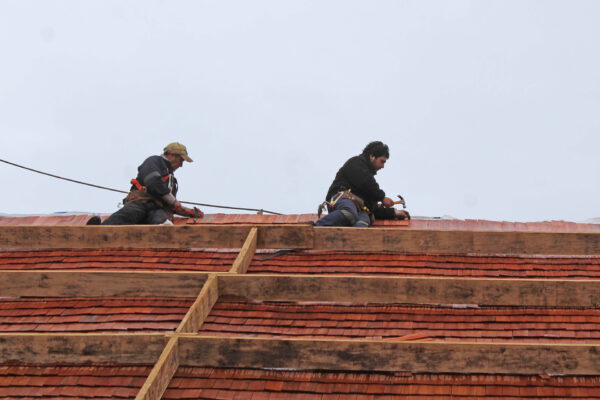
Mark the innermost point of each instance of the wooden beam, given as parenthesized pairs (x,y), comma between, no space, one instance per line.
(301,237)
(244,258)
(34,348)
(100,283)
(418,357)
(198,312)
(456,242)
(144,236)
(160,376)
(285,237)
(412,290)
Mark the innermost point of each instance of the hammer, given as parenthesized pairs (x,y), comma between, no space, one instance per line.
(401,201)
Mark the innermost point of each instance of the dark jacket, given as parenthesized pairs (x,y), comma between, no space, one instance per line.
(358,175)
(156,174)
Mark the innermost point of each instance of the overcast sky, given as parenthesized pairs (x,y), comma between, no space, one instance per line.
(491,108)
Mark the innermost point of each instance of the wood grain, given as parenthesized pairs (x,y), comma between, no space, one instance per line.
(160,376)
(244,258)
(100,284)
(359,289)
(430,357)
(138,348)
(198,312)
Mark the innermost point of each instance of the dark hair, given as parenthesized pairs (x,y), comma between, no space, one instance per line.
(376,149)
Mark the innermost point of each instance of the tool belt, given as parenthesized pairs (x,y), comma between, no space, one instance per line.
(347,194)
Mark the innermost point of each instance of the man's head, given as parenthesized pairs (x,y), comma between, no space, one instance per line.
(377,153)
(176,153)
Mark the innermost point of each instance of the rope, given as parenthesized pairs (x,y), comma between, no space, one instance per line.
(258,210)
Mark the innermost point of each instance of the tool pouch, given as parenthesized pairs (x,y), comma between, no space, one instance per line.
(358,202)
(138,195)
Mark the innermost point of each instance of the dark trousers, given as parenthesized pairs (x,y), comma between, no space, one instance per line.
(139,212)
(345,214)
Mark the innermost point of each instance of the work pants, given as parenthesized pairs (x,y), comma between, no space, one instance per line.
(344,213)
(139,212)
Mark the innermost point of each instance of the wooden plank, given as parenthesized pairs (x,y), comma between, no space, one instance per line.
(100,283)
(285,237)
(198,312)
(412,290)
(244,258)
(160,376)
(302,237)
(418,357)
(144,236)
(138,236)
(456,242)
(138,348)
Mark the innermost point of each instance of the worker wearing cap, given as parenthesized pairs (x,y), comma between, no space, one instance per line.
(353,197)
(152,198)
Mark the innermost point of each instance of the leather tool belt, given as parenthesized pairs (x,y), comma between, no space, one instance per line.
(347,194)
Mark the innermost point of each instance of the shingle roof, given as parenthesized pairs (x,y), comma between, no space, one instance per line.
(224,343)
(72,382)
(215,383)
(105,314)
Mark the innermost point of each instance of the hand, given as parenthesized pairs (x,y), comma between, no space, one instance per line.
(401,214)
(387,202)
(197,213)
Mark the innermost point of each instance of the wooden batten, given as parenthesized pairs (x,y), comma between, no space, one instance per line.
(244,258)
(358,289)
(131,236)
(160,376)
(47,348)
(198,312)
(301,237)
(417,357)
(100,284)
(457,241)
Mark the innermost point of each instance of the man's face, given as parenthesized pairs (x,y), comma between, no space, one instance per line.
(378,162)
(175,159)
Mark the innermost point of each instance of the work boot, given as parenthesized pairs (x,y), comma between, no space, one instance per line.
(95,220)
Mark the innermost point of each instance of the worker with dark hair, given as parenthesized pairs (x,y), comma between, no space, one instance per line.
(353,197)
(151,199)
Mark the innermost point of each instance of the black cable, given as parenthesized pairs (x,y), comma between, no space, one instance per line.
(259,210)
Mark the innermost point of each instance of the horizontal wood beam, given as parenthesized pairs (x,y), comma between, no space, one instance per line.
(100,284)
(301,237)
(130,236)
(132,348)
(456,242)
(417,357)
(359,289)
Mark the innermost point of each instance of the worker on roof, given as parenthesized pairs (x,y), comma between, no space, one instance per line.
(151,199)
(353,197)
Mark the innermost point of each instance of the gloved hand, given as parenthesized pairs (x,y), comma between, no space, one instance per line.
(401,214)
(179,209)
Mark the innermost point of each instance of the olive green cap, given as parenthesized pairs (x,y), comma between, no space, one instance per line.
(179,149)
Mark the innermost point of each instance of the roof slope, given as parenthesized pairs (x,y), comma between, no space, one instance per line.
(343,316)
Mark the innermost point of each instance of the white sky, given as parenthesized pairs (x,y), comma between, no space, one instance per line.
(491,108)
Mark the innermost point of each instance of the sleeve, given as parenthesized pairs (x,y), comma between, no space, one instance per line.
(359,175)
(384,213)
(155,177)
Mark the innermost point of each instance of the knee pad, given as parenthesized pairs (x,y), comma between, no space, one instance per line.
(361,224)
(349,217)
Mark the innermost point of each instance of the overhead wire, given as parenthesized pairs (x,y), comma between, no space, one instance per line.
(258,210)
